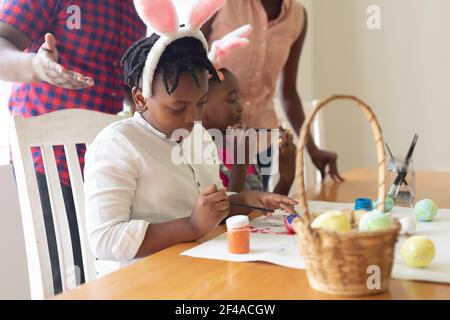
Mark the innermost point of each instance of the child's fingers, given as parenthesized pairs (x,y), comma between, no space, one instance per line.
(276,201)
(284,199)
(223,205)
(217,197)
(271,202)
(284,203)
(288,204)
(287,208)
(209,190)
(288,201)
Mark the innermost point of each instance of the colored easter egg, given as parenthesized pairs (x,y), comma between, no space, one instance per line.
(375,221)
(388,204)
(333,221)
(418,251)
(408,226)
(287,220)
(425,210)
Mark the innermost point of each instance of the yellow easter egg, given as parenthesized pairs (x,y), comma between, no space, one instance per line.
(333,221)
(417,251)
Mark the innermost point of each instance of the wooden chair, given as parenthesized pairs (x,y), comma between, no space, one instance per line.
(67,128)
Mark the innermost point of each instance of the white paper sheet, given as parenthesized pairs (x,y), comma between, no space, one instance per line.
(269,242)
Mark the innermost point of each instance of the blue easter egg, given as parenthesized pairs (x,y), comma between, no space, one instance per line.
(288,222)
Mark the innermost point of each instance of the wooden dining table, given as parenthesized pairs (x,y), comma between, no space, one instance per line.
(168,275)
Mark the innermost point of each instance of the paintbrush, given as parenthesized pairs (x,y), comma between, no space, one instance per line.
(390,152)
(251,207)
(393,159)
(255,208)
(404,171)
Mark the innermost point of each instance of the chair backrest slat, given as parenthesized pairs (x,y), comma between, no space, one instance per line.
(36,245)
(76,178)
(60,221)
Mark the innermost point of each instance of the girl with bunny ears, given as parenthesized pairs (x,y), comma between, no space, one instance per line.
(138,200)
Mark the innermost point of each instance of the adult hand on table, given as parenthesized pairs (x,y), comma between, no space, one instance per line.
(323,159)
(46,68)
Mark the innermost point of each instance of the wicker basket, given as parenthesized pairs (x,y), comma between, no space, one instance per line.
(340,262)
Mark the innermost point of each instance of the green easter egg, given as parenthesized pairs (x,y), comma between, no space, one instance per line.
(425,210)
(388,204)
(375,221)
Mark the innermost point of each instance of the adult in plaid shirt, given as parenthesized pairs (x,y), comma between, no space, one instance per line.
(65,54)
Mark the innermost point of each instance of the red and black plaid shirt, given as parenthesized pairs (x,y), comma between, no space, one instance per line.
(91,37)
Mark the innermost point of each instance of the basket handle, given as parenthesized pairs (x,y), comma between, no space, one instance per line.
(304,135)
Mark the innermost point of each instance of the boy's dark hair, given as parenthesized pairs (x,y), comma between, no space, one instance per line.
(185,55)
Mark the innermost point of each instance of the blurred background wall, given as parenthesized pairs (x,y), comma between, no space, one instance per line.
(402,70)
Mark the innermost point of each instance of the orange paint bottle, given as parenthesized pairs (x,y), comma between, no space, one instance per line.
(238,233)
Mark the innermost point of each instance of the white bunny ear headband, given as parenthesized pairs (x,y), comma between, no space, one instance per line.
(221,49)
(161,15)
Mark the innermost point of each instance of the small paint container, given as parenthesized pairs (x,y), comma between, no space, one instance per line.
(238,234)
(363,204)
